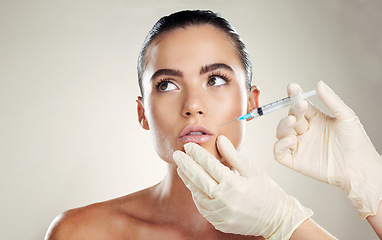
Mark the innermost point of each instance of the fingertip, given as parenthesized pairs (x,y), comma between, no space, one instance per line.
(303,104)
(290,120)
(333,102)
(282,152)
(225,146)
(223,140)
(179,158)
(288,142)
(285,126)
(324,92)
(321,87)
(293,89)
(176,155)
(293,85)
(300,105)
(229,153)
(189,147)
(321,84)
(287,121)
(280,149)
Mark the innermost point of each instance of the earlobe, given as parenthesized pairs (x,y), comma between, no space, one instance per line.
(141,114)
(253,99)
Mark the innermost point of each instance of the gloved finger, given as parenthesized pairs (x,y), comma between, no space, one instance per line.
(285,127)
(222,207)
(207,162)
(214,217)
(282,153)
(293,90)
(189,184)
(232,156)
(195,173)
(199,197)
(298,109)
(336,106)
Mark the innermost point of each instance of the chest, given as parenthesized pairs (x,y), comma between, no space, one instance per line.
(163,232)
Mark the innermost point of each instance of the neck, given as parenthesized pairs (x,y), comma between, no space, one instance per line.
(173,191)
(176,200)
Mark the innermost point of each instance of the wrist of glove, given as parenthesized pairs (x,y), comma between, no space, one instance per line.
(334,150)
(242,201)
(366,180)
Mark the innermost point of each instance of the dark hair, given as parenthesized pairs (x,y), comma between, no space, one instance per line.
(188,18)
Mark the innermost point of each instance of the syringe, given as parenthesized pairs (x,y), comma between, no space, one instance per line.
(274,106)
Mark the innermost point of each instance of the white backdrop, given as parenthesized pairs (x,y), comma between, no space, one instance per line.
(68,130)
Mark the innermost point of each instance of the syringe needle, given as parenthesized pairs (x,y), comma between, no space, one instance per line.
(228,122)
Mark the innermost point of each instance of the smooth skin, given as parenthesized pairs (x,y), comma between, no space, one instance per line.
(195,93)
(376,221)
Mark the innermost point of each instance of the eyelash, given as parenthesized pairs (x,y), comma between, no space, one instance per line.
(219,74)
(160,82)
(212,74)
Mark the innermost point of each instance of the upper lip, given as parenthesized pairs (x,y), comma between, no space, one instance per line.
(194,128)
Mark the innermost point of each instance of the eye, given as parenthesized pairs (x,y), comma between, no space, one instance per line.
(216,81)
(165,85)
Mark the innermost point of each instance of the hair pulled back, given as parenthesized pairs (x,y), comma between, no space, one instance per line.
(190,18)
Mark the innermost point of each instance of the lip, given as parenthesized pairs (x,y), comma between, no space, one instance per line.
(199,138)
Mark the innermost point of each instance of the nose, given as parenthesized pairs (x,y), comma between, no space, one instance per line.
(194,104)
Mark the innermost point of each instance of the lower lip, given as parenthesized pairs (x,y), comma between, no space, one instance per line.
(195,138)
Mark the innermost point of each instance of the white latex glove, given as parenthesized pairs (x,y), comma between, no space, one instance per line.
(334,150)
(245,201)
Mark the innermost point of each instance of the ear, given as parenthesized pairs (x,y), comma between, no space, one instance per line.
(253,99)
(141,114)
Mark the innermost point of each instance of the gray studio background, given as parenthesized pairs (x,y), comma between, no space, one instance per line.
(69,134)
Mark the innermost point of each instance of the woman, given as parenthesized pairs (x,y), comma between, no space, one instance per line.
(194,75)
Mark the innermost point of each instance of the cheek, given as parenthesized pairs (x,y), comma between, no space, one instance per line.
(161,117)
(229,105)
(235,133)
(232,105)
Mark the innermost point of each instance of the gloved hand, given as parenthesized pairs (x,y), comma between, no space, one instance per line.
(334,150)
(245,201)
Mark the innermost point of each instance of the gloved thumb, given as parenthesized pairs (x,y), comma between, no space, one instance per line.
(232,156)
(336,106)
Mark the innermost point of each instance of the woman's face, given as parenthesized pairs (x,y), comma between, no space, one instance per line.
(193,83)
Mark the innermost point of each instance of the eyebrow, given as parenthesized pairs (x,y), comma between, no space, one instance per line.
(203,70)
(214,66)
(167,72)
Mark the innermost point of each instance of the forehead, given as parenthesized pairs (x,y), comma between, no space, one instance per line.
(192,47)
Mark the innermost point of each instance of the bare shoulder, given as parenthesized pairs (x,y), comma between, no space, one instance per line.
(90,222)
(121,218)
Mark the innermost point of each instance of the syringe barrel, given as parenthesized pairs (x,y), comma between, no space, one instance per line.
(274,106)
(271,107)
